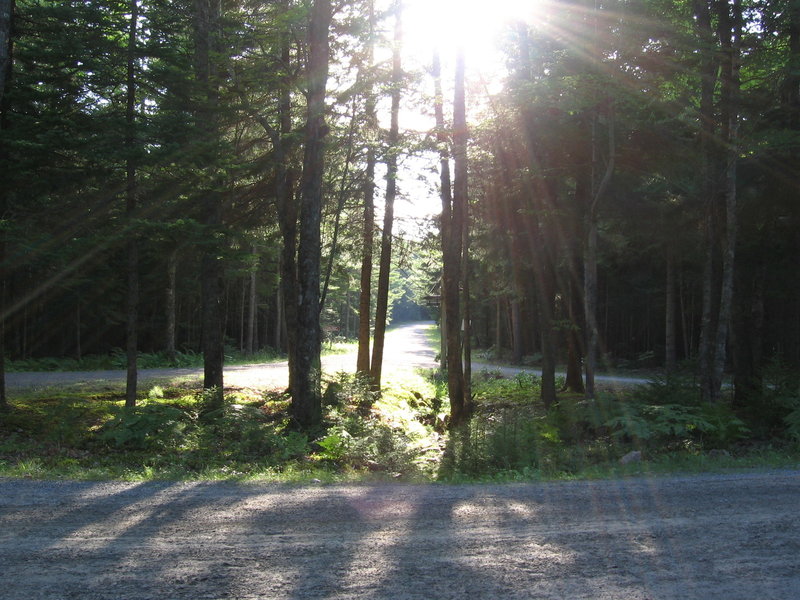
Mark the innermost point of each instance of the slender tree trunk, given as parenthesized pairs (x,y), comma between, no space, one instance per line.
(342,197)
(590,258)
(708,77)
(207,54)
(498,325)
(252,305)
(459,404)
(590,302)
(287,214)
(6,62)
(382,301)
(132,312)
(730,29)
(467,333)
(517,348)
(277,340)
(451,261)
(6,44)
(368,232)
(573,380)
(670,347)
(172,272)
(306,393)
(714,332)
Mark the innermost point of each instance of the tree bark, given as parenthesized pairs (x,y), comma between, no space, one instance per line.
(172,271)
(574,379)
(340,201)
(708,77)
(451,261)
(132,309)
(368,232)
(6,63)
(730,26)
(385,267)
(207,54)
(6,44)
(590,253)
(252,305)
(714,332)
(670,348)
(287,213)
(306,406)
(460,404)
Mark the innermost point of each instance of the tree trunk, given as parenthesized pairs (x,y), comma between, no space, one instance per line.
(252,305)
(368,232)
(714,332)
(590,255)
(574,379)
(590,303)
(730,28)
(670,347)
(466,342)
(306,406)
(172,271)
(451,261)
(132,308)
(6,44)
(6,62)
(459,404)
(708,77)
(382,301)
(207,54)
(280,322)
(287,214)
(342,197)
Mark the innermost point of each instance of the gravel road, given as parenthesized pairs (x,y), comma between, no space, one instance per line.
(723,537)
(406,347)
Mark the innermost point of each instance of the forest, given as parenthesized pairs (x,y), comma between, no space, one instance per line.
(587,185)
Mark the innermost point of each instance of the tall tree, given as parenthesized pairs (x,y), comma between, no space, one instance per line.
(6,20)
(306,393)
(719,147)
(208,52)
(6,57)
(132,314)
(382,302)
(459,229)
(368,231)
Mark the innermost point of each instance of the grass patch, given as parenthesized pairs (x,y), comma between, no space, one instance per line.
(85,432)
(511,437)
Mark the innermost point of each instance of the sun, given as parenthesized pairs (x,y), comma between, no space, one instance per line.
(475,25)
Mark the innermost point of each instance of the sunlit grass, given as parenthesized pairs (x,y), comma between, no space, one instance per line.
(58,434)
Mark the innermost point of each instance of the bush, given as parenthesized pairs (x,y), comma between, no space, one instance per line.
(146,427)
(669,389)
(242,432)
(509,440)
(367,444)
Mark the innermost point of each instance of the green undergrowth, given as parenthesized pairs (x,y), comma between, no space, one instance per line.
(84,432)
(117,359)
(511,436)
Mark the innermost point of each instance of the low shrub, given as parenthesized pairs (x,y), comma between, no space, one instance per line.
(150,426)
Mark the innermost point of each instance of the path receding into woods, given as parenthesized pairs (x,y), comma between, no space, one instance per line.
(407,347)
(710,537)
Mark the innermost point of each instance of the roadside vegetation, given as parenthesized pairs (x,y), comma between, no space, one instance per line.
(85,432)
(116,359)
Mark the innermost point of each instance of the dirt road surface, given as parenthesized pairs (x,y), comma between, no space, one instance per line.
(726,537)
(406,347)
